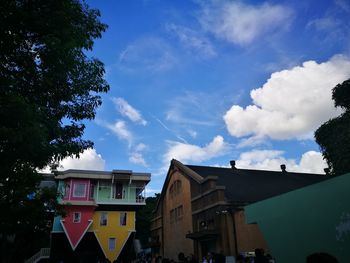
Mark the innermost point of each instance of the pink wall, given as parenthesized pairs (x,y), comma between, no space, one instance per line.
(75,231)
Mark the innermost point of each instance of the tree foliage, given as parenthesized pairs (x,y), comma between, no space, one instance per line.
(48,87)
(143,220)
(334,135)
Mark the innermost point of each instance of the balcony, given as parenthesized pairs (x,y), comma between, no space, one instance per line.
(120,201)
(119,195)
(84,192)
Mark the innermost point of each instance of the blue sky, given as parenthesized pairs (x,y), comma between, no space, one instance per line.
(207,82)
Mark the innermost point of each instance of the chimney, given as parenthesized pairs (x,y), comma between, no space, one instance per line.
(283,168)
(233,164)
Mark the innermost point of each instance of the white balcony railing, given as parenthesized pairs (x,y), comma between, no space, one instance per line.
(43,253)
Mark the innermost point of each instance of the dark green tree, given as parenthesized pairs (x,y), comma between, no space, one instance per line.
(334,135)
(143,220)
(48,87)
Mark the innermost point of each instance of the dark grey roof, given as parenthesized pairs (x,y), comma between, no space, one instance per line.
(248,186)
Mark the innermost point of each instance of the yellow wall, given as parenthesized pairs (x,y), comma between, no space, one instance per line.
(113,230)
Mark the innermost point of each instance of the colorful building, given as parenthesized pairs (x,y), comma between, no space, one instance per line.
(99,214)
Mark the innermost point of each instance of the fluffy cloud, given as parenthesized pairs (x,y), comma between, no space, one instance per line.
(251,141)
(241,23)
(193,41)
(128,111)
(292,103)
(189,152)
(310,162)
(136,156)
(88,160)
(119,128)
(140,147)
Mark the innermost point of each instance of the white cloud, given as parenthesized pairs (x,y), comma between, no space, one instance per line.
(137,158)
(310,162)
(140,147)
(149,54)
(179,116)
(241,23)
(292,103)
(197,108)
(324,24)
(330,29)
(128,111)
(192,40)
(88,160)
(119,128)
(170,130)
(192,133)
(343,4)
(251,141)
(189,152)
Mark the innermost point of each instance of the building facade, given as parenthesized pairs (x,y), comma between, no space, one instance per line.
(99,214)
(201,208)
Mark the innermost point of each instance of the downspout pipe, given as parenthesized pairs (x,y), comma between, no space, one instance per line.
(235,232)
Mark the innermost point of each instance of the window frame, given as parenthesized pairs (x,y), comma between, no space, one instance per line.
(114,242)
(75,185)
(102,219)
(79,217)
(124,222)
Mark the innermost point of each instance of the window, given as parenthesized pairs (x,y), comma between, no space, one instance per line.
(79,190)
(119,191)
(103,218)
(176,214)
(179,212)
(76,217)
(172,216)
(175,188)
(111,243)
(104,190)
(122,219)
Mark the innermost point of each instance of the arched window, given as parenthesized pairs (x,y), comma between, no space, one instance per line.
(175,188)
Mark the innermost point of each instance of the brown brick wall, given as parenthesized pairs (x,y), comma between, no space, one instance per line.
(249,236)
(173,220)
(175,227)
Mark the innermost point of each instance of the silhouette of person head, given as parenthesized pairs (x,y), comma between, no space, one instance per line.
(321,258)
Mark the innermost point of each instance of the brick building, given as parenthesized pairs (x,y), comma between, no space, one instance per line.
(201,208)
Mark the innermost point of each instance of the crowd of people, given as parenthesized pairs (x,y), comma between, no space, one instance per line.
(258,256)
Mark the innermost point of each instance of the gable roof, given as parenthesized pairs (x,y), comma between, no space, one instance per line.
(185,170)
(248,186)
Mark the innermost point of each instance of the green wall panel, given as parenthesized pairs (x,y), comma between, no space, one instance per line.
(308,220)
